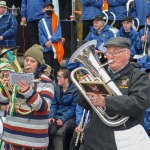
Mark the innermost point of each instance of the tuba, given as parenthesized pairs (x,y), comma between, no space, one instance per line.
(86,55)
(11,55)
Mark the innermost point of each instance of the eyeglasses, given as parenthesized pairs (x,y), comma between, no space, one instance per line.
(59,76)
(114,53)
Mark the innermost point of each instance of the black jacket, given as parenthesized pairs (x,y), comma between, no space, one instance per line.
(134,85)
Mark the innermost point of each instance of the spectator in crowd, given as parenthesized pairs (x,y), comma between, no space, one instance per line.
(26,123)
(62,111)
(140,9)
(82,118)
(127,31)
(31,13)
(90,8)
(8,27)
(99,32)
(145,60)
(144,34)
(118,7)
(134,86)
(50,38)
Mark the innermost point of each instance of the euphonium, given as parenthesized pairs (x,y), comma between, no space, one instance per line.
(86,55)
(11,55)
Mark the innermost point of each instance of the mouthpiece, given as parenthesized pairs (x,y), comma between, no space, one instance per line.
(24,69)
(27,68)
(110,61)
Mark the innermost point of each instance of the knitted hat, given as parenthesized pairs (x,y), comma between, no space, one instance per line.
(36,51)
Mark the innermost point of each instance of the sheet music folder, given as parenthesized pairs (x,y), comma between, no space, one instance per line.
(96,87)
(27,77)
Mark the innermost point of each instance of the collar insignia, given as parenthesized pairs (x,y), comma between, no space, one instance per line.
(124,83)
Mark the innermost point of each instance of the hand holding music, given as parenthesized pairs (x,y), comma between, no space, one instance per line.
(96,99)
(23,86)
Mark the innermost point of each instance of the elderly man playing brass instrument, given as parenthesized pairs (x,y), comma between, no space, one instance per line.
(134,86)
(26,127)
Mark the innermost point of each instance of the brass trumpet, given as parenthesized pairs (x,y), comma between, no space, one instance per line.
(145,42)
(10,55)
(82,125)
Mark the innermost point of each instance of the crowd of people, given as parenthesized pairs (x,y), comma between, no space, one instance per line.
(35,113)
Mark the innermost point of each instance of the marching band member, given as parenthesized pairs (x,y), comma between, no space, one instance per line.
(127,31)
(145,61)
(29,131)
(99,31)
(5,67)
(90,8)
(134,86)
